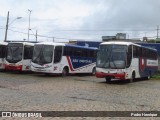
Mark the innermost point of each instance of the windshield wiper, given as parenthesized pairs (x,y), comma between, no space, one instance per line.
(108,58)
(39,55)
(110,55)
(114,63)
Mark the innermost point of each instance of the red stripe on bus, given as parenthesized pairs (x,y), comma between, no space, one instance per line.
(112,75)
(142,64)
(70,64)
(10,67)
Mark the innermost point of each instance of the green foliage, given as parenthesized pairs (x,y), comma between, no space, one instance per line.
(151,41)
(156,76)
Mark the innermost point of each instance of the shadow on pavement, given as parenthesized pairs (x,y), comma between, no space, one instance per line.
(122,82)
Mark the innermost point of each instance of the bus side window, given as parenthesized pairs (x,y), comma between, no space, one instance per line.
(95,54)
(2,51)
(92,54)
(28,52)
(129,56)
(136,51)
(67,51)
(57,54)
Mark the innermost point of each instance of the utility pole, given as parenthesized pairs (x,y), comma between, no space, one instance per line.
(53,39)
(36,35)
(157,31)
(5,39)
(29,22)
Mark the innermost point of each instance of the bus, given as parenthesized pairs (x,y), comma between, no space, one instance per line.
(61,58)
(18,56)
(3,46)
(125,60)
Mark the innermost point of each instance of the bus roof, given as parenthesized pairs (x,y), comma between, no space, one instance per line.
(70,45)
(126,43)
(118,42)
(64,44)
(3,43)
(24,43)
(151,45)
(50,43)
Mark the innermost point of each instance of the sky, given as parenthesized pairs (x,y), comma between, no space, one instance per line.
(63,20)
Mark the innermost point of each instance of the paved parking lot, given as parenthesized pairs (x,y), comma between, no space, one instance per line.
(37,92)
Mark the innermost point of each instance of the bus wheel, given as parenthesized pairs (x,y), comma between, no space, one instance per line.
(133,77)
(108,80)
(20,72)
(94,71)
(47,74)
(64,72)
(149,76)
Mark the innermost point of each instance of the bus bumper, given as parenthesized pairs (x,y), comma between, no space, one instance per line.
(111,75)
(10,67)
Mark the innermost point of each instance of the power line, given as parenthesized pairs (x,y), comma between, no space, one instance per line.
(37,34)
(88,30)
(2,28)
(48,36)
(114,29)
(18,31)
(85,30)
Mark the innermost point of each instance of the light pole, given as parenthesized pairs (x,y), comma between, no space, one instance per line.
(29,22)
(7,24)
(14,20)
(5,39)
(34,34)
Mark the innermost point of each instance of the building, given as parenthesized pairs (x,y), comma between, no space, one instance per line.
(118,36)
(121,36)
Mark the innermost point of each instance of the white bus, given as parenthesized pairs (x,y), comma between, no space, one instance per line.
(61,58)
(18,56)
(125,60)
(3,46)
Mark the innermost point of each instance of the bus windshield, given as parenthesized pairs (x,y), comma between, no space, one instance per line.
(42,54)
(14,52)
(112,56)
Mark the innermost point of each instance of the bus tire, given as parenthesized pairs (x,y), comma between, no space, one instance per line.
(149,76)
(132,77)
(94,71)
(108,80)
(20,72)
(47,74)
(65,71)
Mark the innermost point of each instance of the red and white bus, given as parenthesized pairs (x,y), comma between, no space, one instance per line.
(18,56)
(125,60)
(60,58)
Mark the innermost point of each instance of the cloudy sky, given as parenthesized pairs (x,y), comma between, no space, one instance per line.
(79,19)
